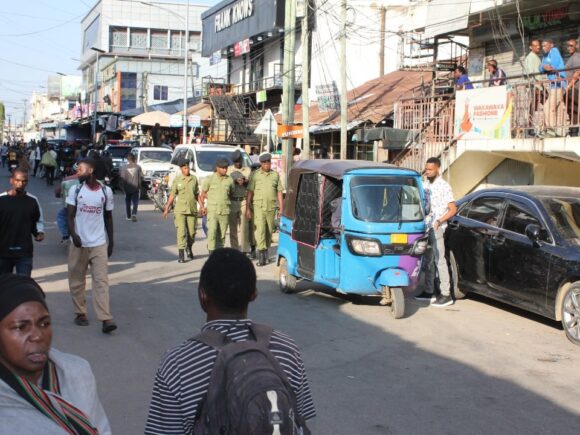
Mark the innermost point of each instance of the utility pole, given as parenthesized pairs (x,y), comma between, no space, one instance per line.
(383,13)
(288,84)
(305,42)
(343,97)
(96,97)
(185,64)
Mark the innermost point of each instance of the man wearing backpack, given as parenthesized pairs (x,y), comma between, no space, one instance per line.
(195,391)
(90,223)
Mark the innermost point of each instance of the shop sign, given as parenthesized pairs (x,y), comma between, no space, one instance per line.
(215,58)
(290,131)
(194,121)
(328,97)
(241,47)
(261,96)
(176,120)
(552,17)
(109,72)
(483,113)
(233,15)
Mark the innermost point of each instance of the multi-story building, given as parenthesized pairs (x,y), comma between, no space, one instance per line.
(138,49)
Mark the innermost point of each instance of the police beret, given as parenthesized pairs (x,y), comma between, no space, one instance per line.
(222,163)
(236,156)
(182,162)
(265,157)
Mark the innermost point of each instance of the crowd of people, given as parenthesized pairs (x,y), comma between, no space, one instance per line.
(36,381)
(555,88)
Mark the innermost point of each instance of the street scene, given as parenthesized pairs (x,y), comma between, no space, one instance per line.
(289,218)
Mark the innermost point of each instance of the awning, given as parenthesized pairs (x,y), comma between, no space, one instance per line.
(152,118)
(393,138)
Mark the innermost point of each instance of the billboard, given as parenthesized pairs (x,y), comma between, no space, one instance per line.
(483,113)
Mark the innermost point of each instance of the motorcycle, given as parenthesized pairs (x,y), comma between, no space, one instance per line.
(159,192)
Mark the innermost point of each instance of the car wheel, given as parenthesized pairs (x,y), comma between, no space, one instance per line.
(571,313)
(397,302)
(457,293)
(286,281)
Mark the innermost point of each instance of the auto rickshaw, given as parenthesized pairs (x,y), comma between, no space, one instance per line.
(355,226)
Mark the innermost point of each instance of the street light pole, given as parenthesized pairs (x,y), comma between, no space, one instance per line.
(95,84)
(185,65)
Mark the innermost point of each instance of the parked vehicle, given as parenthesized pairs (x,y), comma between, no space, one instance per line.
(158,191)
(520,246)
(202,158)
(118,154)
(155,162)
(355,226)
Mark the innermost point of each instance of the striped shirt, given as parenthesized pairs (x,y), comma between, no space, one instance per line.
(182,380)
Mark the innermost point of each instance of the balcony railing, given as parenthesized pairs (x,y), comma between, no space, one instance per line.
(541,107)
(270,82)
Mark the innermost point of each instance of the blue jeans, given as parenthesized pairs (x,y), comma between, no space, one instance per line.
(131,199)
(62,223)
(23,265)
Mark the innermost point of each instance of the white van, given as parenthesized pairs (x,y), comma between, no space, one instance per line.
(202,158)
(154,162)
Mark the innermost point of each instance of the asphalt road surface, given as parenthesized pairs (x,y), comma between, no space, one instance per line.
(476,367)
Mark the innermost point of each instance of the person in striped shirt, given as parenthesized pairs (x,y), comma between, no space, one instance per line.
(182,380)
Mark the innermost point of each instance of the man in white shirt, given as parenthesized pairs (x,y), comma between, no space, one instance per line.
(90,220)
(443,208)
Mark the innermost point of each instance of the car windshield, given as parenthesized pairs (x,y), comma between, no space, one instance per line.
(206,159)
(155,156)
(565,213)
(119,152)
(386,199)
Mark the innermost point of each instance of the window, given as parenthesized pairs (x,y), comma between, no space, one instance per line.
(159,39)
(183,153)
(118,36)
(517,219)
(138,38)
(91,34)
(565,213)
(486,210)
(160,92)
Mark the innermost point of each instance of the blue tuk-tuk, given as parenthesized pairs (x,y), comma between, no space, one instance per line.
(355,226)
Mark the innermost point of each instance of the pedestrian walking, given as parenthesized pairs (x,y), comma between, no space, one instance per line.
(264,190)
(217,189)
(552,63)
(62,216)
(241,237)
(48,162)
(185,193)
(90,222)
(497,76)
(4,153)
(130,179)
(182,390)
(36,157)
(21,219)
(443,208)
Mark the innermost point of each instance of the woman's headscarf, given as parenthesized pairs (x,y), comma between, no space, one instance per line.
(15,290)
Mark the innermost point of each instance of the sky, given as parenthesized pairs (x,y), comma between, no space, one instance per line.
(39,38)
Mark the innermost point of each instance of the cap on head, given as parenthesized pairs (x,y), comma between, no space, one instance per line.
(237,156)
(222,163)
(266,157)
(492,62)
(182,162)
(16,290)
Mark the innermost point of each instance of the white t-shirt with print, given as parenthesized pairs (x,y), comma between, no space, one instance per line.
(440,194)
(90,220)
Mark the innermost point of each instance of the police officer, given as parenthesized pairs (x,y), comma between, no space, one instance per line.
(240,234)
(184,191)
(217,189)
(264,189)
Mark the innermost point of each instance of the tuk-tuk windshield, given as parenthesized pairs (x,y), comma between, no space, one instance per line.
(386,199)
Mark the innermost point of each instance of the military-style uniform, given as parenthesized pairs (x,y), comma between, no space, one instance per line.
(219,191)
(265,186)
(185,190)
(240,234)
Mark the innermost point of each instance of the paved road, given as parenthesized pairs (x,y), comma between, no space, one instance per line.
(476,367)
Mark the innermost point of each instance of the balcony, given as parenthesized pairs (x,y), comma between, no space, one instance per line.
(271,82)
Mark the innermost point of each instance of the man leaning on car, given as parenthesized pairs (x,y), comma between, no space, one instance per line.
(443,208)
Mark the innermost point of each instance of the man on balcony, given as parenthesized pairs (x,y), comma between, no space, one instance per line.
(573,89)
(461,79)
(552,64)
(497,76)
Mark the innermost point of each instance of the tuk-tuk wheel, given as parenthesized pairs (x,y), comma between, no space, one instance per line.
(397,302)
(286,281)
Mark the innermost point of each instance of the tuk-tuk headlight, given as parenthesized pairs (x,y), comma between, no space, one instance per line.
(420,246)
(369,247)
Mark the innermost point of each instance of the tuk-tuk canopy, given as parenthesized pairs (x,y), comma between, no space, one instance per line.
(330,168)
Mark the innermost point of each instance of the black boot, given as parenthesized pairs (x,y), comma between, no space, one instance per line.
(181,256)
(262,258)
(189,253)
(253,252)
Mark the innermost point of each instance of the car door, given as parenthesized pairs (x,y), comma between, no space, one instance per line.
(468,238)
(519,267)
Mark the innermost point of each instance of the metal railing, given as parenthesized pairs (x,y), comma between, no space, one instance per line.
(274,81)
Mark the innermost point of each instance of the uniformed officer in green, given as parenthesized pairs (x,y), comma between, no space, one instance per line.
(264,189)
(240,234)
(184,192)
(217,189)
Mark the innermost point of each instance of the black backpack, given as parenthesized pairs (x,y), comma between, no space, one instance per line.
(249,393)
